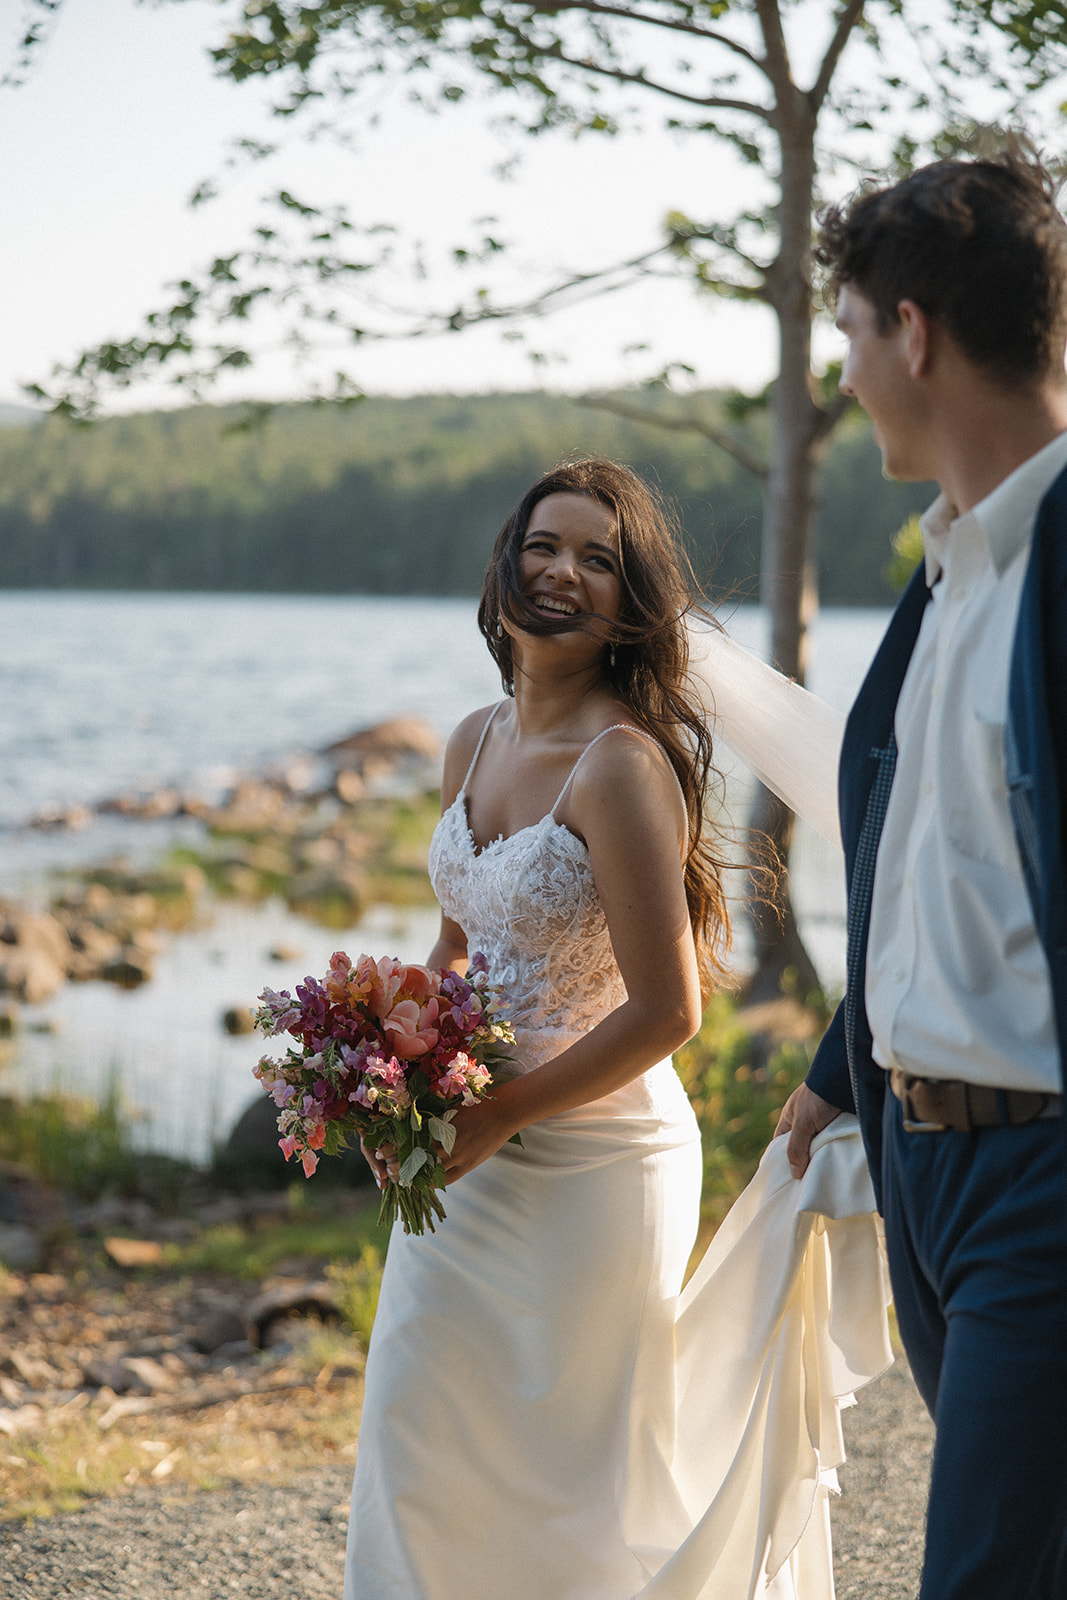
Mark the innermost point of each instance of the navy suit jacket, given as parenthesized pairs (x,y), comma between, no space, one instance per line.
(844,1071)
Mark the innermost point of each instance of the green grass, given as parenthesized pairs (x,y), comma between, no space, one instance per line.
(257,1250)
(737,1100)
(86,1147)
(357,1285)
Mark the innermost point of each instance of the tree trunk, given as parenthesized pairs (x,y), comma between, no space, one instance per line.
(787,579)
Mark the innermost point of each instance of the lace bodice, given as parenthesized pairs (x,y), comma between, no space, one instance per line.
(529,903)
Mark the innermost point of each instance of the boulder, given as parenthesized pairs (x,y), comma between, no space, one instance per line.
(34,930)
(57,819)
(336,892)
(238,1020)
(285,952)
(129,971)
(395,740)
(316,1300)
(223,1326)
(20,1248)
(134,1253)
(251,1155)
(30,974)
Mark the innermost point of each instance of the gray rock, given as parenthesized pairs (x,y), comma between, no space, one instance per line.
(113,1375)
(224,1327)
(316,1299)
(237,1020)
(20,1248)
(129,972)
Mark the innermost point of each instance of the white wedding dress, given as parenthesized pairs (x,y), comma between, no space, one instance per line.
(546,1416)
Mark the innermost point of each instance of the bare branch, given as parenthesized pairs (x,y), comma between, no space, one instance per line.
(846,24)
(707,430)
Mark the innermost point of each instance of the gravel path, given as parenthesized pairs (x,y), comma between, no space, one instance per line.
(288,1543)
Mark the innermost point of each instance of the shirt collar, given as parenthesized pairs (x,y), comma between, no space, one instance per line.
(1005,517)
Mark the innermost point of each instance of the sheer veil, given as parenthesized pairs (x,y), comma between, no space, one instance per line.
(789,738)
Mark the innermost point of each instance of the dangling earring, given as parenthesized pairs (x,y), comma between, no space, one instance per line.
(499,628)
(611,656)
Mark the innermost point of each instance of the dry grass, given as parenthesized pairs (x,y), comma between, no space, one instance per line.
(255,1437)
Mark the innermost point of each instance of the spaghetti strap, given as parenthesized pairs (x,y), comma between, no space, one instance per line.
(614,727)
(478,748)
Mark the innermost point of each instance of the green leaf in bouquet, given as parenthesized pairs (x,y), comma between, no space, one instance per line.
(413,1164)
(442,1130)
(336,1141)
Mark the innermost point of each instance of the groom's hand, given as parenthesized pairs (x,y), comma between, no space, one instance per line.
(804,1115)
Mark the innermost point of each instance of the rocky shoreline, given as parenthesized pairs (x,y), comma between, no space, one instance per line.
(327,833)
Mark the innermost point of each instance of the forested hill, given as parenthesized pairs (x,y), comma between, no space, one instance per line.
(389,496)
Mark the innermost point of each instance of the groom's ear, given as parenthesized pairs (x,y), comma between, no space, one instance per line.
(917,337)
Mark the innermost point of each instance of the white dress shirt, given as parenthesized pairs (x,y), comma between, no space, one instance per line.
(957,981)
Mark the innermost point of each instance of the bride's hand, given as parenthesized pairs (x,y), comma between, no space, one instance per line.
(382,1162)
(480,1132)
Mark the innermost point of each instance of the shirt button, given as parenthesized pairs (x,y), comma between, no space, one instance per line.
(928,787)
(899,975)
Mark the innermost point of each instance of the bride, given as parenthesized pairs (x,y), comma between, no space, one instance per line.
(531,1396)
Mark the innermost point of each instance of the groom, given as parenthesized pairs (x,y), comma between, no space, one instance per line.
(951,289)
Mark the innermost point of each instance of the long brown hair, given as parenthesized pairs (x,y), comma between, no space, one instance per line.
(646,666)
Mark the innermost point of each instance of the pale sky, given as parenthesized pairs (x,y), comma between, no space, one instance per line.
(122,118)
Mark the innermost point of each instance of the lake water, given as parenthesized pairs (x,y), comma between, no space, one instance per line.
(104,693)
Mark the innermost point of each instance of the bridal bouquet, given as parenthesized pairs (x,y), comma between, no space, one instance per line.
(387,1052)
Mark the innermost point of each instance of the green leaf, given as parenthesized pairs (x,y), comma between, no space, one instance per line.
(442,1130)
(413,1164)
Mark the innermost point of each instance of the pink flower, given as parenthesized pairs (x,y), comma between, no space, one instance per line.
(395,982)
(463,1077)
(410,1028)
(310,1161)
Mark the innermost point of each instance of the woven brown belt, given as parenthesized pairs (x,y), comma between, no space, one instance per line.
(937,1105)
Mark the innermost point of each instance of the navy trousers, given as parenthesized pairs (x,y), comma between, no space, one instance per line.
(976,1228)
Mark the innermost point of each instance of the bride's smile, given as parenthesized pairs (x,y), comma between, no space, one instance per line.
(569,559)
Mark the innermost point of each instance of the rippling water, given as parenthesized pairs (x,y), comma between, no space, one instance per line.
(103,693)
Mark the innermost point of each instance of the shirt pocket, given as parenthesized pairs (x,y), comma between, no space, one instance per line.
(979,820)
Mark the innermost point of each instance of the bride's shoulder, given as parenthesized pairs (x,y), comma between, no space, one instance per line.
(628,766)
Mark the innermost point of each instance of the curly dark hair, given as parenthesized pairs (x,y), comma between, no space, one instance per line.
(646,665)
(978,245)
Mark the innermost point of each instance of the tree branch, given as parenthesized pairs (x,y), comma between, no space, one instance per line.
(846,24)
(676,24)
(684,232)
(708,430)
(620,75)
(777,65)
(830,414)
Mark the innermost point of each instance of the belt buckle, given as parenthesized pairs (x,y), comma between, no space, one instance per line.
(911,1124)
